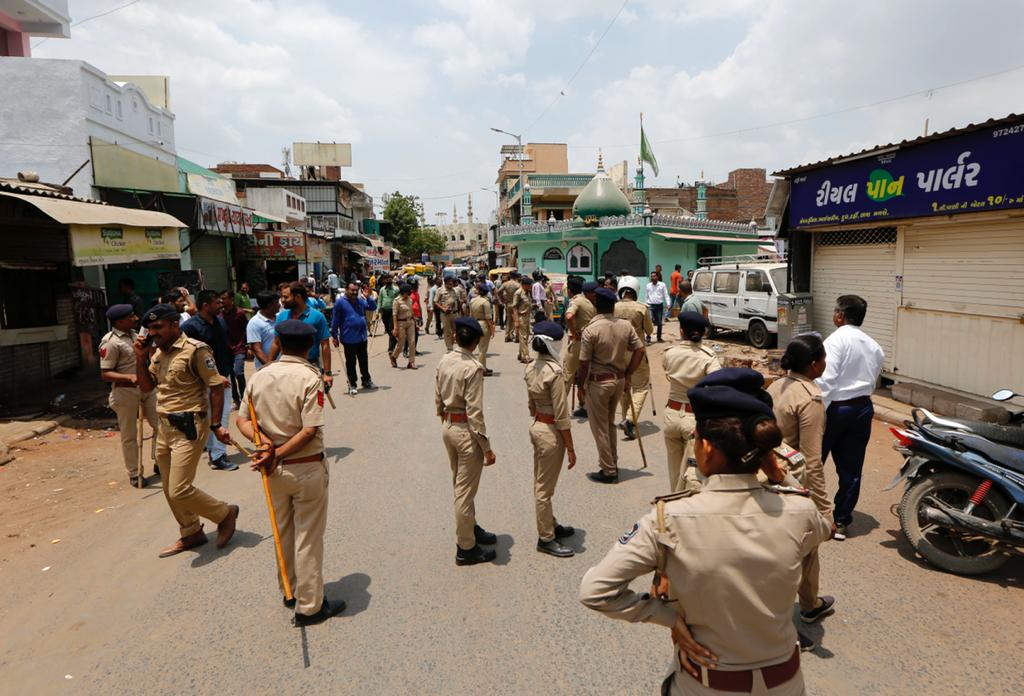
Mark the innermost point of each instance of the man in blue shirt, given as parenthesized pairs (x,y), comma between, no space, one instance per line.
(293,298)
(348,326)
(259,332)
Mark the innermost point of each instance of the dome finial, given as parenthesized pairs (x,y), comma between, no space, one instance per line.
(600,160)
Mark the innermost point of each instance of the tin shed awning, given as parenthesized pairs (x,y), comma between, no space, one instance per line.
(68,212)
(682,237)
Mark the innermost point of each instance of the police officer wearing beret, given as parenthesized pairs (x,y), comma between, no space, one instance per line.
(459,398)
(404,327)
(117,366)
(731,553)
(685,364)
(577,315)
(182,371)
(550,433)
(288,397)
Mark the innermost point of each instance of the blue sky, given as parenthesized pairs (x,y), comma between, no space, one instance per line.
(416,84)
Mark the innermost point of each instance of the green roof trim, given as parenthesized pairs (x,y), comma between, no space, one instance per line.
(189,167)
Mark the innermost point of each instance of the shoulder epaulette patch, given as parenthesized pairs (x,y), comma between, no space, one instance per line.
(788,490)
(678,495)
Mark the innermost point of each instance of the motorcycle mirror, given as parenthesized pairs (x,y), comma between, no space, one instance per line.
(1003,395)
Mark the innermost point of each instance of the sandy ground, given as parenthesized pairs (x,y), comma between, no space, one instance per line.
(98,612)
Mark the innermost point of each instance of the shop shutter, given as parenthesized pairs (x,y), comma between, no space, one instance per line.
(857,262)
(209,255)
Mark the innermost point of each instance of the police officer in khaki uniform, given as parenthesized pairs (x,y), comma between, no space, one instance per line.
(637,315)
(577,315)
(459,397)
(182,371)
(685,364)
(522,311)
(732,628)
(461,297)
(117,366)
(446,302)
(801,417)
(288,397)
(508,291)
(550,433)
(405,326)
(480,308)
(606,368)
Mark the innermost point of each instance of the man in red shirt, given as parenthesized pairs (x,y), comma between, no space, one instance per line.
(236,322)
(673,288)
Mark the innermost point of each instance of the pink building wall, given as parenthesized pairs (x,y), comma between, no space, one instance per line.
(13,41)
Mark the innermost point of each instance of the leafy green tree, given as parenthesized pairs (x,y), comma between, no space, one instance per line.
(422,240)
(402,212)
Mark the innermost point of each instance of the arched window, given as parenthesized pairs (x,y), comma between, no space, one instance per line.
(553,254)
(624,255)
(579,260)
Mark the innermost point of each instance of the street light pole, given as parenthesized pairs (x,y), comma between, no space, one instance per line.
(519,147)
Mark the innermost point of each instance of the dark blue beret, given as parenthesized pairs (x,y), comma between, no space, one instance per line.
(526,280)
(160,312)
(734,392)
(607,293)
(469,323)
(549,329)
(589,286)
(693,320)
(404,288)
(119,311)
(294,328)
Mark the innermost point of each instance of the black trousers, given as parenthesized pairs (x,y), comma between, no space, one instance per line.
(389,324)
(356,352)
(438,329)
(501,315)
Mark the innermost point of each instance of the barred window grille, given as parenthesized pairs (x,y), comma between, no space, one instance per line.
(872,236)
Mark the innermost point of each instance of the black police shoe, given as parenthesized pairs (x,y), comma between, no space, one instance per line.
(580,412)
(133,481)
(554,548)
(601,477)
(630,430)
(327,610)
(368,385)
(482,536)
(466,557)
(561,532)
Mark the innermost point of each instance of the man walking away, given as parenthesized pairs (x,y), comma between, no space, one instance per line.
(348,326)
(259,332)
(208,327)
(657,295)
(235,321)
(480,308)
(674,280)
(852,366)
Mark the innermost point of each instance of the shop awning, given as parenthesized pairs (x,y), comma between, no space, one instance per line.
(681,237)
(79,213)
(260,216)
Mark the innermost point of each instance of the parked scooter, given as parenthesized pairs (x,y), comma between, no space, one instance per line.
(963,506)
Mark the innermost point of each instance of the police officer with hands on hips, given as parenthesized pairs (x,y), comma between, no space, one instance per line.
(459,398)
(577,315)
(288,397)
(685,364)
(185,377)
(117,366)
(550,433)
(731,553)
(481,309)
(629,308)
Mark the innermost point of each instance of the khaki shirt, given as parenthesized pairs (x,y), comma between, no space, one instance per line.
(580,311)
(459,388)
(117,352)
(445,299)
(637,315)
(522,302)
(288,395)
(183,373)
(481,310)
(800,414)
(401,308)
(507,291)
(545,390)
(607,343)
(460,296)
(733,557)
(686,364)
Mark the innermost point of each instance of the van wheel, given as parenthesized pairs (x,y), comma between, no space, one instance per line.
(758,335)
(712,331)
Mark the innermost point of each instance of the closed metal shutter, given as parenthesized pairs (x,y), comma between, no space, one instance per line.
(857,262)
(959,324)
(209,255)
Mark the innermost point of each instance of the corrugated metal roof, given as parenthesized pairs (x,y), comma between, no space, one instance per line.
(969,128)
(32,188)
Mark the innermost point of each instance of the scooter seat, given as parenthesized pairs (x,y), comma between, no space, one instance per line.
(1010,457)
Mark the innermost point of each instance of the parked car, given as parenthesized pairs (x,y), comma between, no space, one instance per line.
(742,296)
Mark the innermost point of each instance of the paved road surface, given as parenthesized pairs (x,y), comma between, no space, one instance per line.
(110,617)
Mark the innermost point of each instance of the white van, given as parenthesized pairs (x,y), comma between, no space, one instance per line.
(742,296)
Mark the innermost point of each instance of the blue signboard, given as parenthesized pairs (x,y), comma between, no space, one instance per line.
(981,170)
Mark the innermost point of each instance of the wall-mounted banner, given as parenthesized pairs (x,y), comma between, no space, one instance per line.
(276,245)
(966,173)
(224,218)
(94,245)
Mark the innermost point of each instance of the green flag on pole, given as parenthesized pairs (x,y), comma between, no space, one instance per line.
(646,153)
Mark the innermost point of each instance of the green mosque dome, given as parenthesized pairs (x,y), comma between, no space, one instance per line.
(601,197)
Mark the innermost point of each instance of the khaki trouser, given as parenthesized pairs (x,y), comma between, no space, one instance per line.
(602,398)
(510,331)
(467,462)
(125,403)
(549,310)
(639,389)
(571,363)
(177,458)
(682,684)
(485,341)
(548,455)
(299,493)
(448,326)
(406,331)
(808,590)
(682,468)
(524,331)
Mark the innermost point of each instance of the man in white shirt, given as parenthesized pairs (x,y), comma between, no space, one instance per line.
(657,296)
(852,366)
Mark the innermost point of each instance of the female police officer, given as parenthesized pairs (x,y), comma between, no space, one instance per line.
(550,432)
(732,553)
(801,418)
(685,364)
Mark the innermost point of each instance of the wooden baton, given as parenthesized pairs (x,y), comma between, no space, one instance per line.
(636,424)
(258,439)
(140,471)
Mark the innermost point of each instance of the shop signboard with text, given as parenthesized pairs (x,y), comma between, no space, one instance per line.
(276,245)
(966,173)
(95,245)
(224,218)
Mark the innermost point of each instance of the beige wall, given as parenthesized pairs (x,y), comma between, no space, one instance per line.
(549,158)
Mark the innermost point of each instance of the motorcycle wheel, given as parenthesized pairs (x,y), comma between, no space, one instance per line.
(945,548)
